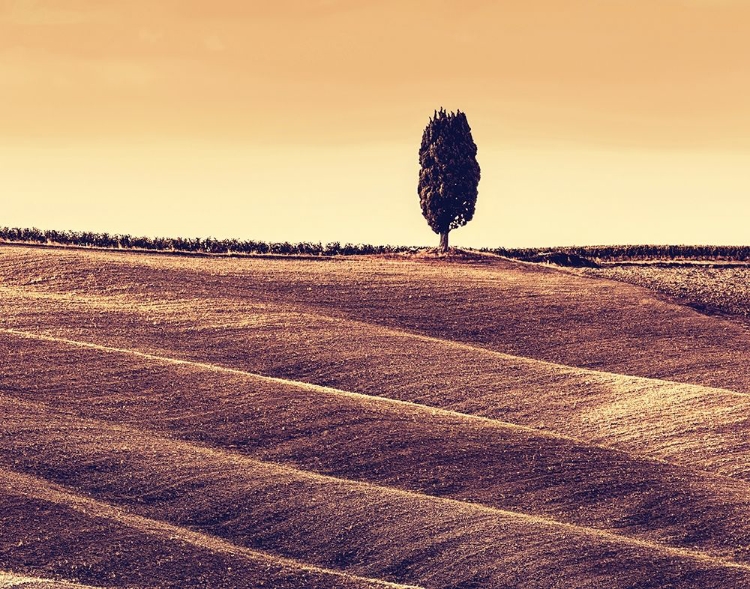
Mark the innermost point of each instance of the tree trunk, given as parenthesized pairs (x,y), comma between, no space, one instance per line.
(444,241)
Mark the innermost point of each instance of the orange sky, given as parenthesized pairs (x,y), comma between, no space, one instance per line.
(597,121)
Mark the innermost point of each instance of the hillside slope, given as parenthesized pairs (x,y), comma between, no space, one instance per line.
(366,530)
(390,443)
(295,423)
(517,308)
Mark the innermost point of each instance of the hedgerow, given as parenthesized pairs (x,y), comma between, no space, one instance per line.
(610,253)
(212,245)
(191,244)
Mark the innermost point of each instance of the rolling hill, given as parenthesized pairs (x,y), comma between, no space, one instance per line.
(380,421)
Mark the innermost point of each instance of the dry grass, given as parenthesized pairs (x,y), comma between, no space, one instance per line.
(440,423)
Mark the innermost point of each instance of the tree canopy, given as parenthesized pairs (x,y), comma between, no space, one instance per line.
(449,176)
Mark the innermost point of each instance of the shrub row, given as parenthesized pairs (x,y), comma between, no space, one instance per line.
(192,244)
(237,246)
(638,252)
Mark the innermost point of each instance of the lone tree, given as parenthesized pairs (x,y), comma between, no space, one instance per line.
(450,173)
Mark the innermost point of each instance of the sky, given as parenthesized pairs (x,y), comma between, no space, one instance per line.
(596,121)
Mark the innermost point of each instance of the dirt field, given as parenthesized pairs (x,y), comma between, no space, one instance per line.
(712,288)
(372,422)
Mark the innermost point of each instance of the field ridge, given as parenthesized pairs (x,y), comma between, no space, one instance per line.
(434,410)
(12,580)
(53,491)
(444,423)
(40,488)
(426,410)
(104,302)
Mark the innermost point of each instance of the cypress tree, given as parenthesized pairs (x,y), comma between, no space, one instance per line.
(449,175)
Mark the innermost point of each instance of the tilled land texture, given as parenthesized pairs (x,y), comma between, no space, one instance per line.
(708,288)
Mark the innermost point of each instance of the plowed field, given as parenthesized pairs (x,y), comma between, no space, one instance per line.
(369,422)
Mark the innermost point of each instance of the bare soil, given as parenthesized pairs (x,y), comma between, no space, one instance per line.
(425,421)
(710,288)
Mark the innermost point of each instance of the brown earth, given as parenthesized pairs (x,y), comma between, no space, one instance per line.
(448,423)
(710,288)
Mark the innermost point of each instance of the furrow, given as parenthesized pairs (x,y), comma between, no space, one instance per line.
(86,436)
(364,397)
(95,301)
(372,399)
(13,581)
(685,424)
(36,487)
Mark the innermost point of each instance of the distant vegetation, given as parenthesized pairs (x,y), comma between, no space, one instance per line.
(211,245)
(208,245)
(623,253)
(613,253)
